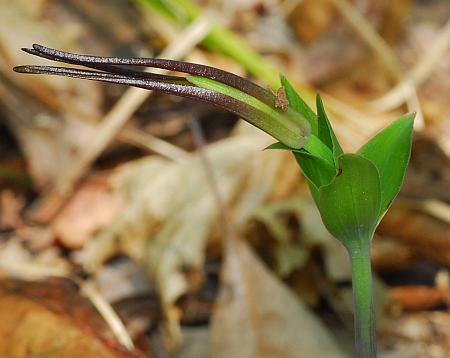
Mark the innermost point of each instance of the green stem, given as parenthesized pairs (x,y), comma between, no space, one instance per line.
(363,304)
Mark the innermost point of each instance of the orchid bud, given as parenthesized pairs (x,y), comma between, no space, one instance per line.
(235,94)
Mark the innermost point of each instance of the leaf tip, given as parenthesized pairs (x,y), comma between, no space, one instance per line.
(282,78)
(277,145)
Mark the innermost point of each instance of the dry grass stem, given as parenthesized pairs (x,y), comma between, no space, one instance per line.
(154,144)
(200,143)
(108,313)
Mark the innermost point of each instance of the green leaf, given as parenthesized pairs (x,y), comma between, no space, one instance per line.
(313,146)
(278,145)
(316,147)
(317,171)
(160,6)
(350,204)
(298,104)
(390,151)
(325,131)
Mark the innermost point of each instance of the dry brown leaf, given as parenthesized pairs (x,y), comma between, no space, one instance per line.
(257,316)
(427,236)
(416,298)
(51,319)
(389,254)
(91,208)
(10,207)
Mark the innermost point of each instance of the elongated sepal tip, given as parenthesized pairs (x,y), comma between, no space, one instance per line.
(35,70)
(23,69)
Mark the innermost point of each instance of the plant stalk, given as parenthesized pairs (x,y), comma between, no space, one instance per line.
(363,303)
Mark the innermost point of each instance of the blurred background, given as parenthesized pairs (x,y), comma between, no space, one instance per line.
(135,224)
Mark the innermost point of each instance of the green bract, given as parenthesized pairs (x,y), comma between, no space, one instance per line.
(326,133)
(389,150)
(350,204)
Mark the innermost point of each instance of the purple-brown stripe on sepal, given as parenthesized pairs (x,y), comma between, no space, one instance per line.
(104,67)
(172,65)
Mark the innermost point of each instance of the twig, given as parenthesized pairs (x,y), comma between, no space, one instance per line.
(211,177)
